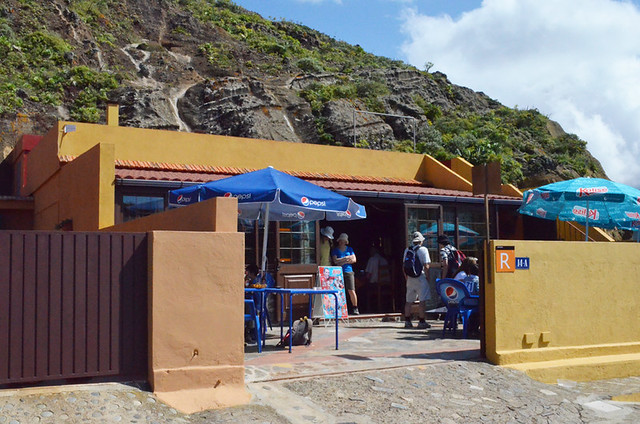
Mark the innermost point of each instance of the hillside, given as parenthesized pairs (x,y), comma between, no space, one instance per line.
(212,67)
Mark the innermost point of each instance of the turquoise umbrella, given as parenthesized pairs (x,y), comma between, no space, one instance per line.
(589,201)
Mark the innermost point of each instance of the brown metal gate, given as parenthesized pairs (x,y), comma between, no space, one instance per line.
(72,306)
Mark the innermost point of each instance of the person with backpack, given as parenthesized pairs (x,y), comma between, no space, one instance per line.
(450,257)
(415,267)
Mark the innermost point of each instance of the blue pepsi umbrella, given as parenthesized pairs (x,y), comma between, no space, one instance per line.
(588,201)
(273,196)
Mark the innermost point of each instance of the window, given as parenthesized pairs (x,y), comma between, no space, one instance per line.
(248,227)
(297,242)
(137,202)
(471,230)
(424,218)
(138,206)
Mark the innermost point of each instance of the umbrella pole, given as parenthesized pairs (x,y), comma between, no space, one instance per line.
(586,236)
(265,237)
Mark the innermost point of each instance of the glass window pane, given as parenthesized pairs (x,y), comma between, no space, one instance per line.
(138,206)
(424,220)
(297,242)
(286,240)
(249,229)
(471,229)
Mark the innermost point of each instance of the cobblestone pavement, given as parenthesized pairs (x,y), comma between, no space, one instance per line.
(381,374)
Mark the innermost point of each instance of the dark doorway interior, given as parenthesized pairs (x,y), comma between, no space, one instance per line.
(383,229)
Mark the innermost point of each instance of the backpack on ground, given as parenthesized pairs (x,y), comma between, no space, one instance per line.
(300,333)
(455,259)
(412,265)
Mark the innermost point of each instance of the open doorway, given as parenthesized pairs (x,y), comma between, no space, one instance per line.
(383,230)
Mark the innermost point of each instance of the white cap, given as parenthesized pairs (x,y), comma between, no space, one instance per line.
(327,232)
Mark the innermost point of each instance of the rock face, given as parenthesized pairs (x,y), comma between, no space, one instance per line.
(248,107)
(181,73)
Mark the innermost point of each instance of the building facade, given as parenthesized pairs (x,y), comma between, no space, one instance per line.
(87,177)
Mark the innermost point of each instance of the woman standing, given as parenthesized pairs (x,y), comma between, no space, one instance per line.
(344,256)
(326,237)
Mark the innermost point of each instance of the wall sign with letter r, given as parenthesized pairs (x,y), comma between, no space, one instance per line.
(505,259)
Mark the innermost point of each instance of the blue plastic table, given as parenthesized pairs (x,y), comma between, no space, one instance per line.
(293,292)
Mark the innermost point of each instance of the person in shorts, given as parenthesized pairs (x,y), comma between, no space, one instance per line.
(417,287)
(344,256)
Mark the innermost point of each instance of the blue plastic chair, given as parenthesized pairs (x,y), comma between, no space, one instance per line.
(251,314)
(456,296)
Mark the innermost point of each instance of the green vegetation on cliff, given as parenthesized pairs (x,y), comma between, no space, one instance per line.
(52,58)
(38,67)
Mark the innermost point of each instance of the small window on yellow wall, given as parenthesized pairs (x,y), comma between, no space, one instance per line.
(297,242)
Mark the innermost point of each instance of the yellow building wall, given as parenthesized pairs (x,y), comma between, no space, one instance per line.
(196,319)
(462,167)
(572,231)
(203,149)
(438,175)
(573,314)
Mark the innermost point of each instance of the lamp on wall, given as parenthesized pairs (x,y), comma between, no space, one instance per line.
(68,128)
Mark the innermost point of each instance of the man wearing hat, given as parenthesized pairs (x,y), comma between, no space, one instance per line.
(326,237)
(417,287)
(449,266)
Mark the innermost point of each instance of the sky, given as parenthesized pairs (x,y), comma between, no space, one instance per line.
(575,61)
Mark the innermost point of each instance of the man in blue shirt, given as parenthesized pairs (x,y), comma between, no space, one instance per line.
(344,256)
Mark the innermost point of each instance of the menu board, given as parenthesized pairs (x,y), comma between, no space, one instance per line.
(331,278)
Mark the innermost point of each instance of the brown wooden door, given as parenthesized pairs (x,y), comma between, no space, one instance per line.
(297,277)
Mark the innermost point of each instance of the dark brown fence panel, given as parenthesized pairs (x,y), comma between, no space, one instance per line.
(5,303)
(134,306)
(72,305)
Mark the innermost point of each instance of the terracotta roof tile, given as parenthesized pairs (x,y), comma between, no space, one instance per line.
(143,170)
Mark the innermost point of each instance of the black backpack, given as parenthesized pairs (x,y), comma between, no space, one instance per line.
(412,265)
(454,259)
(300,333)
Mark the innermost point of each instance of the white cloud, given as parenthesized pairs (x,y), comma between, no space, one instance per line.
(577,62)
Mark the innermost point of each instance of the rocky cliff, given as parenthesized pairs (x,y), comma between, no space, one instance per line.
(213,67)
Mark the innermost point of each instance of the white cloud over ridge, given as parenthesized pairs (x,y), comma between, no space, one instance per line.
(576,62)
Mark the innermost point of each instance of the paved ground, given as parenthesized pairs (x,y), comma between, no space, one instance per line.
(381,374)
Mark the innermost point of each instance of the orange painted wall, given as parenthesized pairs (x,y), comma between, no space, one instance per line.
(217,214)
(81,191)
(43,160)
(87,195)
(46,209)
(196,319)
